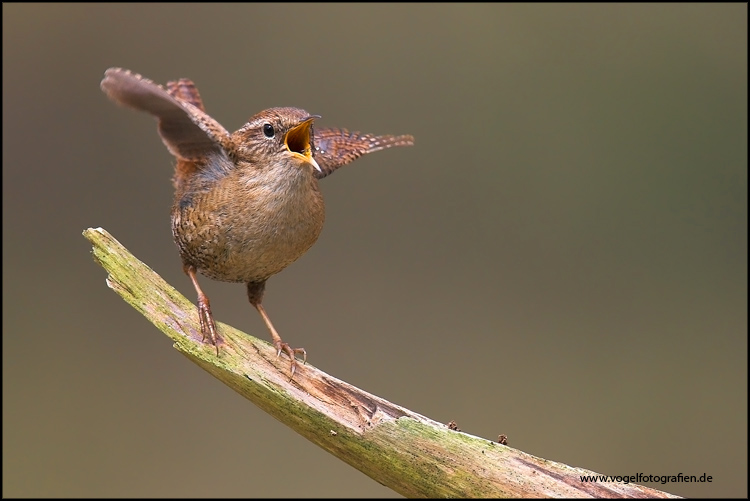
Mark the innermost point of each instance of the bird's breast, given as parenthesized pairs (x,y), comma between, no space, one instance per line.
(247,226)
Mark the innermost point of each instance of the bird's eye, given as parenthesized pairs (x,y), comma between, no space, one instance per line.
(268,130)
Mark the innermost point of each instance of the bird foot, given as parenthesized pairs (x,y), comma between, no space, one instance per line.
(208,326)
(292,353)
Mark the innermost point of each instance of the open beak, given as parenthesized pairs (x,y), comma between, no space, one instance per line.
(299,140)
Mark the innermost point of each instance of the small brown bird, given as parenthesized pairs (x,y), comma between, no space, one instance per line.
(246,204)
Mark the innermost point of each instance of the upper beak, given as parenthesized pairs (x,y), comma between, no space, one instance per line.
(299,140)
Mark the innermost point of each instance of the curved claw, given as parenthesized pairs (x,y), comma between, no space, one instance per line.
(292,354)
(304,354)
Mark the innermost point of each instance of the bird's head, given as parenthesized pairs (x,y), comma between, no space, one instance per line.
(283,134)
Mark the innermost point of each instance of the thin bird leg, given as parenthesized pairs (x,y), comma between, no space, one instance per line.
(255,294)
(208,326)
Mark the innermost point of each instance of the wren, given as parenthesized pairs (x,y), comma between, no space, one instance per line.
(246,204)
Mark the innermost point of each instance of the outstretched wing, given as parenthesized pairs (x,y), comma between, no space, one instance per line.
(185,90)
(187,131)
(335,148)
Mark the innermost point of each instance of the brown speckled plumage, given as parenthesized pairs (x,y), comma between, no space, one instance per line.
(246,204)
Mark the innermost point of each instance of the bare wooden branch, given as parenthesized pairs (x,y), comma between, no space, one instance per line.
(410,453)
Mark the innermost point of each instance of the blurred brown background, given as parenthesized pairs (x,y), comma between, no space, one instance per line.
(562,257)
